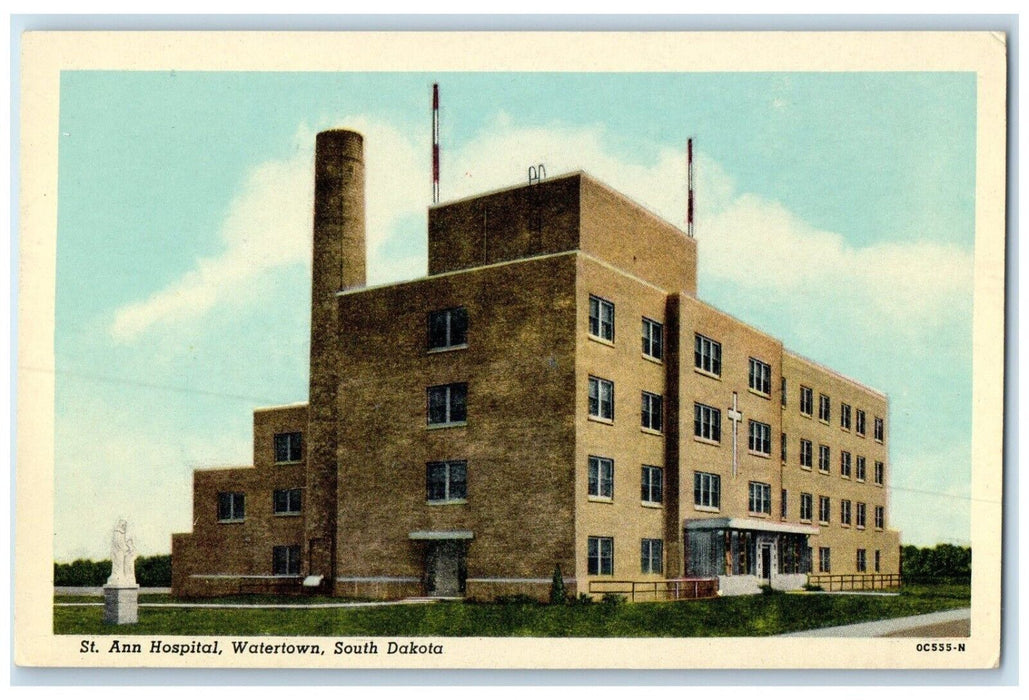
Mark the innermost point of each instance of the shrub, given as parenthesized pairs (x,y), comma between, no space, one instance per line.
(612,599)
(766,589)
(812,587)
(558,594)
(581,599)
(515,599)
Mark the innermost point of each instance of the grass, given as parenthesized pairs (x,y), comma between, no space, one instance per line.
(737,616)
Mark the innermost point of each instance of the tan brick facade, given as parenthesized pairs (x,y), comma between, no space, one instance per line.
(549,461)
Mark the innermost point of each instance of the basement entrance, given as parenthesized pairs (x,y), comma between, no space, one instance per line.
(445,562)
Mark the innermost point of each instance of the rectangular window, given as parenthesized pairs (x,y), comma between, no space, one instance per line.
(231,507)
(447,404)
(446,481)
(602,398)
(707,490)
(602,319)
(287,447)
(760,438)
(653,339)
(862,565)
(652,484)
(824,564)
(845,416)
(601,477)
(880,517)
(784,508)
(286,502)
(879,429)
(860,516)
(782,391)
(286,560)
(859,422)
(805,506)
(878,560)
(650,412)
(760,498)
(823,459)
(707,355)
(448,329)
(651,556)
(760,377)
(845,512)
(807,400)
(880,473)
(805,453)
(824,509)
(859,470)
(845,464)
(824,410)
(707,422)
(600,556)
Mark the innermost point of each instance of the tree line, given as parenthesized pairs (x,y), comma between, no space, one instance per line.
(944,562)
(151,572)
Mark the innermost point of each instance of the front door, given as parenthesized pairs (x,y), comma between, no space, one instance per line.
(766,562)
(444,568)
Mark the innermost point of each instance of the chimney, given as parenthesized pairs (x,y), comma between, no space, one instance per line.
(339,248)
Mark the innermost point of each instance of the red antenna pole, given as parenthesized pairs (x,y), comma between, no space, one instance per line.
(689,179)
(435,143)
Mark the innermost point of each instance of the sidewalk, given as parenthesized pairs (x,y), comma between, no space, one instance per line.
(947,623)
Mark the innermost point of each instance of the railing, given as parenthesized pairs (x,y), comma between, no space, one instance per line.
(666,589)
(854,582)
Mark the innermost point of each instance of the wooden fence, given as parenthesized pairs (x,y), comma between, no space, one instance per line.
(854,582)
(666,589)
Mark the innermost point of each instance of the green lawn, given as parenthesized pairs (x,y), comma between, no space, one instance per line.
(723,617)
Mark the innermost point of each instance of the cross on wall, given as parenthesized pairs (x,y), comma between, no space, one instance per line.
(735,416)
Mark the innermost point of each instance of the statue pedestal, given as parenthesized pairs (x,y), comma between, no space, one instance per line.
(121,604)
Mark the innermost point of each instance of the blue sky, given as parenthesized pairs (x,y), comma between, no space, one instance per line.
(835,211)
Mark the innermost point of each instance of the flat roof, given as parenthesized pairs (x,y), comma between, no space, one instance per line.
(748,524)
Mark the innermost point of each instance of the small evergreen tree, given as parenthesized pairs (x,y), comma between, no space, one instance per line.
(558,594)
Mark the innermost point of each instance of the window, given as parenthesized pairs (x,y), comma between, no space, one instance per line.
(862,565)
(879,429)
(878,560)
(446,482)
(880,473)
(601,477)
(845,512)
(653,339)
(448,329)
(824,410)
(448,404)
(651,559)
(600,556)
(287,447)
(824,565)
(286,560)
(652,484)
(707,490)
(782,445)
(805,453)
(782,391)
(760,377)
(760,498)
(231,507)
(823,459)
(760,438)
(859,471)
(707,355)
(286,502)
(650,412)
(845,464)
(824,509)
(860,516)
(707,422)
(807,400)
(805,506)
(845,416)
(602,398)
(602,319)
(880,517)
(859,422)
(784,509)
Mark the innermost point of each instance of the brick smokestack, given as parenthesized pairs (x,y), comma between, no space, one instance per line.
(338,263)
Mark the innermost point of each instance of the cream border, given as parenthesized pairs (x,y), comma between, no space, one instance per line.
(45,55)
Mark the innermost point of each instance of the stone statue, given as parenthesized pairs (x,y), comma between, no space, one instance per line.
(123,557)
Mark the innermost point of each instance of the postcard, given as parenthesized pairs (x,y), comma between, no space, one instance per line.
(510,350)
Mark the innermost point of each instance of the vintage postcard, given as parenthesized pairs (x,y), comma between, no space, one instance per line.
(510,350)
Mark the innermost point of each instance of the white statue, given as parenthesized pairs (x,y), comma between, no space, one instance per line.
(123,557)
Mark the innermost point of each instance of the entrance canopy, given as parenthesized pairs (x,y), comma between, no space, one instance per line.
(749,524)
(731,546)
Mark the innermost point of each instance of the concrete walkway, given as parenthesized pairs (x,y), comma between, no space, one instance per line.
(947,623)
(99,591)
(261,606)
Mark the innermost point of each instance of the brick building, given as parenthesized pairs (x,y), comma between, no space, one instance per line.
(552,394)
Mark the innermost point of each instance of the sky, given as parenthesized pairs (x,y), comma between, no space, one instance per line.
(834,211)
